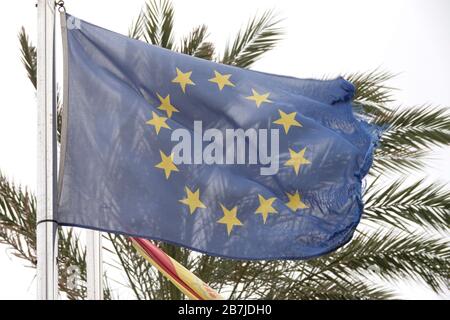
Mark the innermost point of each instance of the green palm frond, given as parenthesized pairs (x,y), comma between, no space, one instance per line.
(205,51)
(108,293)
(390,256)
(28,52)
(403,160)
(420,203)
(18,220)
(371,86)
(260,36)
(136,30)
(288,280)
(408,136)
(372,93)
(29,61)
(158,23)
(418,127)
(332,290)
(195,44)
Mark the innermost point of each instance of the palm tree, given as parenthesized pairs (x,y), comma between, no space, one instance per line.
(402,233)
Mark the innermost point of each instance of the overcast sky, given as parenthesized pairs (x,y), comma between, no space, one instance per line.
(324,37)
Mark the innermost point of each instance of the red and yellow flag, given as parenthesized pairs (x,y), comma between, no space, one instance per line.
(183,279)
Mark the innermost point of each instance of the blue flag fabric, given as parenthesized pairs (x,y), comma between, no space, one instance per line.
(222,160)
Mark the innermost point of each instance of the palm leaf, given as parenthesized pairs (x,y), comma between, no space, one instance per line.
(261,35)
(402,160)
(195,45)
(391,256)
(408,136)
(372,91)
(418,127)
(28,52)
(371,86)
(158,23)
(18,220)
(332,290)
(136,30)
(420,204)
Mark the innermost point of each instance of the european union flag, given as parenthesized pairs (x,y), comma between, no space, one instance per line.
(222,160)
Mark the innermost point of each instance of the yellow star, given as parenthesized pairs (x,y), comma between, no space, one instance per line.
(222,80)
(295,202)
(158,122)
(166,164)
(297,159)
(192,200)
(229,218)
(166,105)
(259,98)
(287,120)
(183,78)
(265,207)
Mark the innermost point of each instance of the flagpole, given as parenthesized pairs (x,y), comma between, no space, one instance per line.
(94,270)
(46,228)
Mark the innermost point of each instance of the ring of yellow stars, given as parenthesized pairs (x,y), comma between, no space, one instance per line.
(183,78)
(265,207)
(192,200)
(259,98)
(158,122)
(221,80)
(166,164)
(166,105)
(297,159)
(287,120)
(229,218)
(295,203)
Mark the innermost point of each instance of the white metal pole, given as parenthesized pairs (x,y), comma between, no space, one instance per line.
(94,268)
(46,229)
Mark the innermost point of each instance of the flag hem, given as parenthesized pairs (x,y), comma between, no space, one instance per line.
(348,231)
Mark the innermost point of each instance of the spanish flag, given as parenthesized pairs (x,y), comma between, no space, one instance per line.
(183,279)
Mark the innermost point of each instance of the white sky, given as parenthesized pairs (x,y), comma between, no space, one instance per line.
(324,37)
